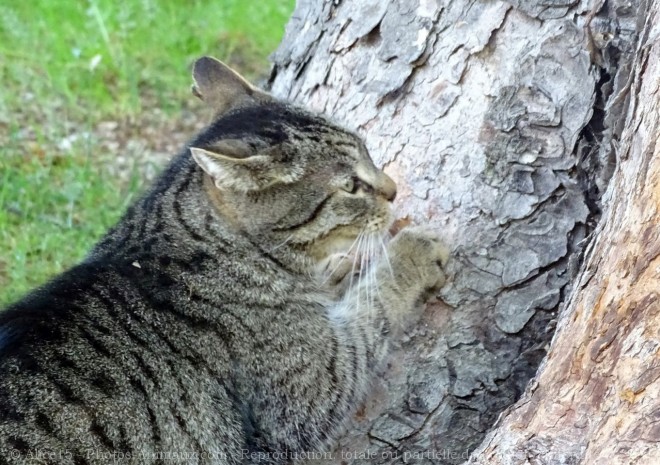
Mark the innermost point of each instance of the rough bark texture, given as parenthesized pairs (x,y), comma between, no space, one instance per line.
(491,118)
(596,398)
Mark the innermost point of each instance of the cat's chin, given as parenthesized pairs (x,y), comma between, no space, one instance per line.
(343,243)
(340,246)
(326,247)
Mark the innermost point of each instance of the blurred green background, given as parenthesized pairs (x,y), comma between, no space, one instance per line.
(94,98)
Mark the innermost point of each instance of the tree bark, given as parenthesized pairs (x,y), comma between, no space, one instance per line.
(498,122)
(596,399)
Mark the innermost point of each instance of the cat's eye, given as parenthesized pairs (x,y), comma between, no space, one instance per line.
(353,184)
(350,185)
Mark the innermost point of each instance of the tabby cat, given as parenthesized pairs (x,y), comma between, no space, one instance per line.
(235,314)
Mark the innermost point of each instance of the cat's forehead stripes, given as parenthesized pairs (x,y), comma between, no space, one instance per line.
(277,123)
(273,121)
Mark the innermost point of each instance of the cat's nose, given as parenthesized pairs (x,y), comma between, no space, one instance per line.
(387,188)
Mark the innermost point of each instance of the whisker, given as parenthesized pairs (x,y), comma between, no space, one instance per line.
(358,285)
(286,241)
(357,252)
(386,255)
(372,273)
(347,253)
(379,296)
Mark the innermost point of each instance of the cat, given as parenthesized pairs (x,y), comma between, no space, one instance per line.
(235,314)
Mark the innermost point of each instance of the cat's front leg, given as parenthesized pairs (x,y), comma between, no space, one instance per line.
(390,295)
(410,274)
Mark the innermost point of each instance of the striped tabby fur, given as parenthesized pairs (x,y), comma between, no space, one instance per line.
(234,315)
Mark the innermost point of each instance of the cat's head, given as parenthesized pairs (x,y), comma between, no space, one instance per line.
(283,174)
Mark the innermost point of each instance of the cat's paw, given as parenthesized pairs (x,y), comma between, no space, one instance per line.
(338,266)
(418,257)
(338,271)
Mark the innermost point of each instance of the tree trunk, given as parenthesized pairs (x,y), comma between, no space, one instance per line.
(498,122)
(596,399)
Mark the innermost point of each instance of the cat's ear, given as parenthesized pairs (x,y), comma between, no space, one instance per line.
(235,165)
(221,87)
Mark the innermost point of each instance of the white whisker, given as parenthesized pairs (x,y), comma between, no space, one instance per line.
(380,296)
(386,255)
(355,256)
(340,262)
(286,241)
(363,272)
(358,285)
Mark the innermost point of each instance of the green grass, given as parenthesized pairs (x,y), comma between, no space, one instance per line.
(66,66)
(54,208)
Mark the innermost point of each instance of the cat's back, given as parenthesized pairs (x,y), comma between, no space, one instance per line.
(87,367)
(54,363)
(47,315)
(60,334)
